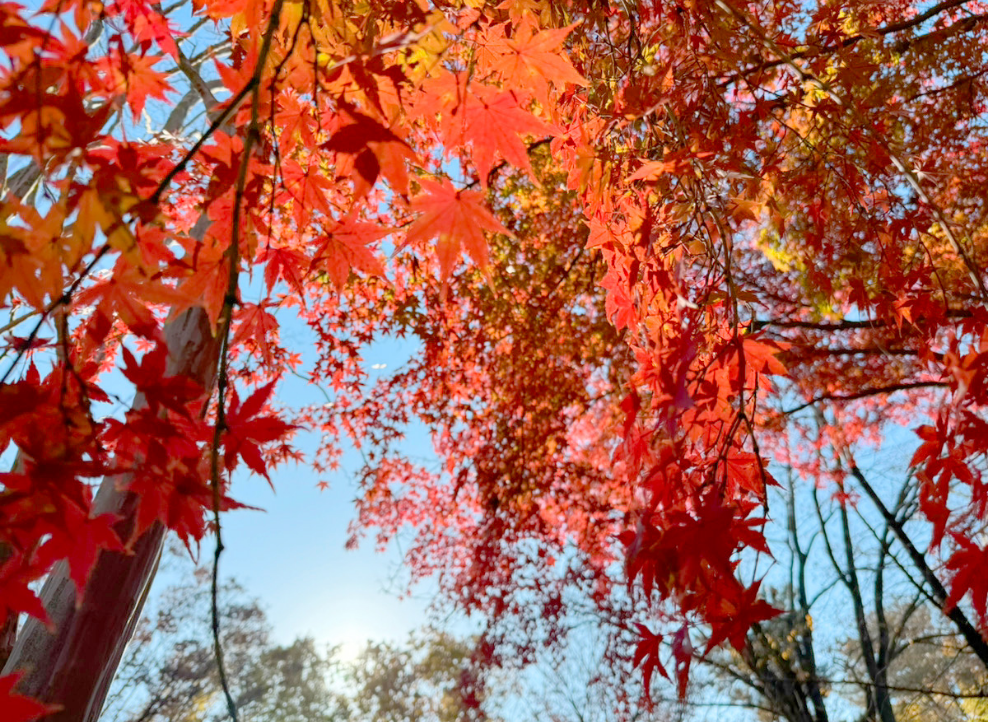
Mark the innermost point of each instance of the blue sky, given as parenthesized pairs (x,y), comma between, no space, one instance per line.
(292,555)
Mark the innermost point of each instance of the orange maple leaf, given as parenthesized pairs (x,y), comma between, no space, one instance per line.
(206,285)
(142,81)
(494,125)
(534,59)
(458,218)
(490,120)
(762,356)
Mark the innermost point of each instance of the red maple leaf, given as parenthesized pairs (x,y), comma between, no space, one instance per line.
(257,324)
(160,390)
(148,25)
(79,540)
(968,564)
(142,81)
(309,189)
(15,594)
(247,430)
(747,472)
(682,653)
(284,263)
(17,707)
(375,150)
(163,460)
(647,656)
(738,611)
(126,295)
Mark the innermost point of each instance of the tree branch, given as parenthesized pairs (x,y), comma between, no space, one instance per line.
(971,635)
(847,42)
(865,393)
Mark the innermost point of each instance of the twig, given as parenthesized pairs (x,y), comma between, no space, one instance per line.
(971,635)
(233,253)
(865,393)
(845,43)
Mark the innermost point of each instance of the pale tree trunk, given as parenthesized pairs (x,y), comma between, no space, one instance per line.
(73,664)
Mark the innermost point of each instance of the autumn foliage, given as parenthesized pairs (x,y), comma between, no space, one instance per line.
(637,244)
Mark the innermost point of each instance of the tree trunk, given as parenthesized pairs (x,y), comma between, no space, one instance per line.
(73,664)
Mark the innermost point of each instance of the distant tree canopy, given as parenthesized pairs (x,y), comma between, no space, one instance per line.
(169,671)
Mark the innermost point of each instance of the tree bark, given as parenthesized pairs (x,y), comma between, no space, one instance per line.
(72,664)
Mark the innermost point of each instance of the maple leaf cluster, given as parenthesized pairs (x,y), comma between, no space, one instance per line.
(693,230)
(745,230)
(322,126)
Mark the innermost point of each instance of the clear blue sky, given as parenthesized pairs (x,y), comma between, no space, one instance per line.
(292,555)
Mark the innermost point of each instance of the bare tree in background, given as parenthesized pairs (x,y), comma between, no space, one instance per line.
(863,632)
